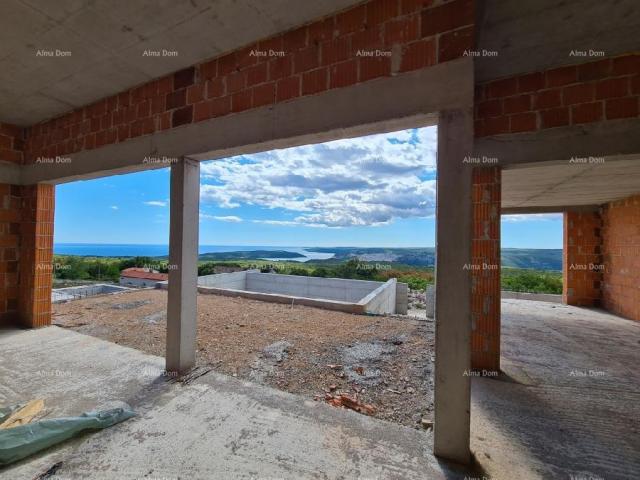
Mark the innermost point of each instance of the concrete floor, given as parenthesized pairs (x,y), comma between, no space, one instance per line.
(215,427)
(568,405)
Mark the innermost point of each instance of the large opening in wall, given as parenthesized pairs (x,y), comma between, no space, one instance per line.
(316,268)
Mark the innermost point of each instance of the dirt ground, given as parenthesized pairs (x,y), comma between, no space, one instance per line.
(383,361)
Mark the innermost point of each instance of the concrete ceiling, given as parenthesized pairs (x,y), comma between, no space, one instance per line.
(107,38)
(567,183)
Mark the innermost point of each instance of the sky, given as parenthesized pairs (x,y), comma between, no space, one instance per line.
(369,191)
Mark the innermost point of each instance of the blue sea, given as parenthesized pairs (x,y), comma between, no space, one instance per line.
(134,250)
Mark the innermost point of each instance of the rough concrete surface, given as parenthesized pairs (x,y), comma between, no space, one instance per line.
(214,427)
(568,403)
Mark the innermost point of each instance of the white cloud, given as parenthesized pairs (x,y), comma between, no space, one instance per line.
(520,217)
(363,181)
(156,203)
(113,207)
(227,218)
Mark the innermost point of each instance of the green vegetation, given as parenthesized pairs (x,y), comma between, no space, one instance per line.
(105,269)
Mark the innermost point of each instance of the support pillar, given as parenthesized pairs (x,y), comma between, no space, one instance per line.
(485,272)
(453,286)
(582,268)
(35,255)
(182,311)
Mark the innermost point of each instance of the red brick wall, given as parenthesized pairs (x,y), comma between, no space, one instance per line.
(318,57)
(11,143)
(606,89)
(621,256)
(582,264)
(36,255)
(26,246)
(485,274)
(10,217)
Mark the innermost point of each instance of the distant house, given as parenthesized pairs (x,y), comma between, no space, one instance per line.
(141,277)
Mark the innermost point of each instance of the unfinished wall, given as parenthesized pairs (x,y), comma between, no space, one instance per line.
(485,270)
(234,280)
(372,40)
(582,265)
(11,143)
(621,257)
(26,254)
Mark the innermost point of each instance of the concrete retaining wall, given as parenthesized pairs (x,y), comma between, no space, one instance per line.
(341,290)
(235,280)
(82,291)
(382,300)
(540,297)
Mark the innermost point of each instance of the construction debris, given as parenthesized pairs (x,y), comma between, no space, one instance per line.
(351,403)
(23,415)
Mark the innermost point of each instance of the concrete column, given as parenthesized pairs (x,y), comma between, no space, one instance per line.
(453,286)
(182,310)
(485,274)
(582,259)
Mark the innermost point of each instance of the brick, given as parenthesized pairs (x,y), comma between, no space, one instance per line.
(256,74)
(321,31)
(547,99)
(314,81)
(271,44)
(369,39)
(490,108)
(264,94)
(280,67)
(621,108)
(336,50)
(182,116)
(581,93)
(586,112)
(418,55)
(241,101)
(531,82)
(402,31)
(502,88)
(176,99)
(195,93)
(594,70)
(373,67)
(227,64)
(380,11)
(517,104)
(6,142)
(561,76)
(496,125)
(523,122)
(244,58)
(343,74)
(184,78)
(215,88)
(158,104)
(635,85)
(611,88)
(554,117)
(306,59)
(447,17)
(235,82)
(201,111)
(452,45)
(209,70)
(411,6)
(626,65)
(295,39)
(351,20)
(287,88)
(220,106)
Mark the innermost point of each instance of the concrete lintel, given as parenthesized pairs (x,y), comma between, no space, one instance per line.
(530,210)
(453,286)
(602,139)
(383,105)
(182,311)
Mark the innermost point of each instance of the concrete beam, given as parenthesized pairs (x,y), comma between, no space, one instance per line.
(182,311)
(410,101)
(532,210)
(602,139)
(453,286)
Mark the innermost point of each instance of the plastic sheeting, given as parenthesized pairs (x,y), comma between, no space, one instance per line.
(20,442)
